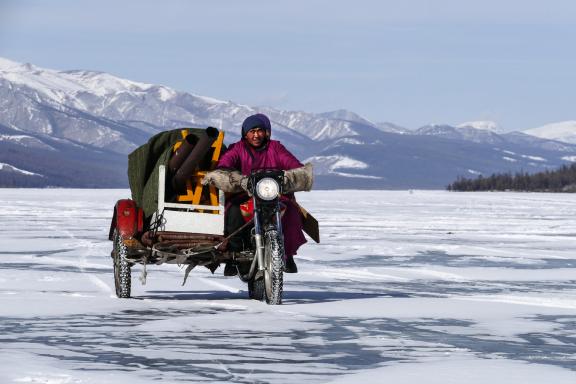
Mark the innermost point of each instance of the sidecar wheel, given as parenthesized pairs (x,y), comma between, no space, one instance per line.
(274,259)
(122,272)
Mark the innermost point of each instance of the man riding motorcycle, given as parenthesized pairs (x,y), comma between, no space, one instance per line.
(256,150)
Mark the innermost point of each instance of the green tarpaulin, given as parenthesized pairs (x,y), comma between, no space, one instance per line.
(143,165)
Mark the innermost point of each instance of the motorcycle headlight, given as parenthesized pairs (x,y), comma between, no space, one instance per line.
(267,189)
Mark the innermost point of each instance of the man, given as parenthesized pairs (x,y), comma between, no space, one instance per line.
(256,150)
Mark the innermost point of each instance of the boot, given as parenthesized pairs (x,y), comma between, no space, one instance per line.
(290,266)
(230,269)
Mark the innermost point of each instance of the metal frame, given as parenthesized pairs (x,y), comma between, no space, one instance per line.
(178,217)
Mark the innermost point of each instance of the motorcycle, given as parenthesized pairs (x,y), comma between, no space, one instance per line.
(191,232)
(265,186)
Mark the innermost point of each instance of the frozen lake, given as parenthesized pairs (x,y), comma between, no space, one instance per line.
(406,287)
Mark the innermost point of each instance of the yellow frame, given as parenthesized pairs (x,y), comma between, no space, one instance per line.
(194,186)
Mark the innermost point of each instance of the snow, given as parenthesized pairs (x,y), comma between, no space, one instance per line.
(7,65)
(535,158)
(58,85)
(211,100)
(166,94)
(329,165)
(482,125)
(349,140)
(15,138)
(347,162)
(357,175)
(26,140)
(562,131)
(333,162)
(329,130)
(65,86)
(10,168)
(459,370)
(405,287)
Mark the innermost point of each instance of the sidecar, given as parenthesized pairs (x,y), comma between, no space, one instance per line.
(185,224)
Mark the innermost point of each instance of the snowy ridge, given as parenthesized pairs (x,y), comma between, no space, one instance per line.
(146,109)
(482,125)
(60,84)
(463,132)
(311,125)
(10,168)
(27,141)
(564,131)
(527,157)
(330,165)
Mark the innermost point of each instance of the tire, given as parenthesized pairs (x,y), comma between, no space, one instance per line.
(122,272)
(274,273)
(256,289)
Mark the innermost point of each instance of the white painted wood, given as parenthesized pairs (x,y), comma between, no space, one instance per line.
(182,217)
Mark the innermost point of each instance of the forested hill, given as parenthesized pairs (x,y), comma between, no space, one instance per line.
(560,180)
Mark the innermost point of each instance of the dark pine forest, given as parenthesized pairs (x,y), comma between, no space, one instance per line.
(560,180)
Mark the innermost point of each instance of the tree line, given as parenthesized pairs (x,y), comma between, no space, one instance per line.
(559,180)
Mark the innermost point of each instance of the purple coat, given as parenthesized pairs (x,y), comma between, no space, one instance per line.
(241,156)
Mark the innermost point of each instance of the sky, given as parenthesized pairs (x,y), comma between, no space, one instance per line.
(411,62)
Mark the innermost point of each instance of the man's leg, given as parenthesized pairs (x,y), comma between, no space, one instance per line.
(233,221)
(293,236)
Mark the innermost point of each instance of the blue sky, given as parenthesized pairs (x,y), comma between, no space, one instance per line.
(410,62)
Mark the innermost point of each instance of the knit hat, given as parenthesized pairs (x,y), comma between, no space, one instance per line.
(256,121)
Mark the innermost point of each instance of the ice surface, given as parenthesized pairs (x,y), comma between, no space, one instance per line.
(406,287)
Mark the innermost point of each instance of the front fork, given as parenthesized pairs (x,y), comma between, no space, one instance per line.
(258,234)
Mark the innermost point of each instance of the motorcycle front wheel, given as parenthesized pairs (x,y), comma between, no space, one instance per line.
(270,287)
(274,274)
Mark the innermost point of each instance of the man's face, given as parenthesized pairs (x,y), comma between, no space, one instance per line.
(256,137)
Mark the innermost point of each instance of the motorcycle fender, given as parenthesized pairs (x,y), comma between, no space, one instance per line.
(128,219)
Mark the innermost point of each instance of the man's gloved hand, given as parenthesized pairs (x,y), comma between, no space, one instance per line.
(245,184)
(226,180)
(298,179)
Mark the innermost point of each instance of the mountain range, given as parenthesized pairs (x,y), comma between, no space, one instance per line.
(75,128)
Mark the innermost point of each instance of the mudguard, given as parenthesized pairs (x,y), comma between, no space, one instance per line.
(128,219)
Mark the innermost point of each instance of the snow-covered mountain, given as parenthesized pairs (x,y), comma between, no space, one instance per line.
(349,116)
(564,131)
(75,128)
(482,125)
(142,109)
(462,132)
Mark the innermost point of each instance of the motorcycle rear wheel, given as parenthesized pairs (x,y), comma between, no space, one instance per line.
(122,272)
